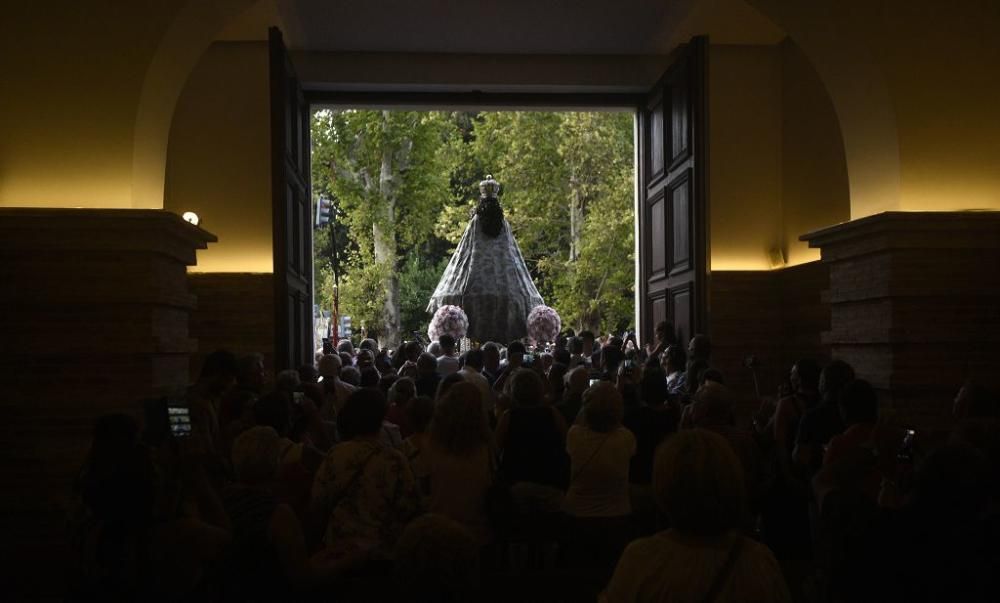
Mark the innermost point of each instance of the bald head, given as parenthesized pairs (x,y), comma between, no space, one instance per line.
(330,365)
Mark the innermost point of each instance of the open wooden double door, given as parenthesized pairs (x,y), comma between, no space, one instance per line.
(672,208)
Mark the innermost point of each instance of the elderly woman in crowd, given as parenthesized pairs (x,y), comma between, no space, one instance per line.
(269,560)
(703,556)
(460,462)
(364,491)
(531,436)
(598,497)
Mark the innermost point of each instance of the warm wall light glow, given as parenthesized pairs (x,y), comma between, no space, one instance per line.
(755,262)
(241,260)
(190,216)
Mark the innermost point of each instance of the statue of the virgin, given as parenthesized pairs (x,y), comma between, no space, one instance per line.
(487,276)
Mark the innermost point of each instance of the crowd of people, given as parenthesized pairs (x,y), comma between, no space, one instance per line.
(593,468)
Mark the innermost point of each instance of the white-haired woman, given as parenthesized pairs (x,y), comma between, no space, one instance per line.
(269,560)
(699,485)
(460,460)
(600,451)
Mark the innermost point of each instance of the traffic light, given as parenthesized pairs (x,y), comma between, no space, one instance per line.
(324,212)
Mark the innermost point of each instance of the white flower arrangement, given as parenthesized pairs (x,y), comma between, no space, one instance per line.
(449,320)
(544,324)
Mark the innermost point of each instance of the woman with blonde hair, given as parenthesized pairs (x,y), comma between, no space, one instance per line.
(600,450)
(699,485)
(460,461)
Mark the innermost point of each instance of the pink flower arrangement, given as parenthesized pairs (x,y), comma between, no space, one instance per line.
(449,320)
(544,324)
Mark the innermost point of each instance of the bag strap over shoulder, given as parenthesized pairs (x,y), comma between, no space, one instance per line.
(587,462)
(725,571)
(356,476)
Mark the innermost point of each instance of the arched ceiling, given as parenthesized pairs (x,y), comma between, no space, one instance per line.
(503,27)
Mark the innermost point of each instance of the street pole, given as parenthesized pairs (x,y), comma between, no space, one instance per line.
(335,264)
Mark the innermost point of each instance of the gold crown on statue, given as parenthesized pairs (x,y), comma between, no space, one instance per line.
(489,188)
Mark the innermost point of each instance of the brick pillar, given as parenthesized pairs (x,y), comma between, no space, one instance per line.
(94,311)
(915,304)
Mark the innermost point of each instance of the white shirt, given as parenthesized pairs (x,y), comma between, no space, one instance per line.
(599,474)
(447,365)
(333,402)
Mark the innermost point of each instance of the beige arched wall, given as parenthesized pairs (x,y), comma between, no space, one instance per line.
(942,65)
(188,37)
(219,156)
(89,93)
(915,84)
(776,167)
(73,74)
(839,53)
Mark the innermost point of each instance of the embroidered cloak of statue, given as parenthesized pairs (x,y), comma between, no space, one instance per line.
(487,276)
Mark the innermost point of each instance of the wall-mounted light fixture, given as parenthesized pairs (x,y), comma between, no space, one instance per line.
(190,216)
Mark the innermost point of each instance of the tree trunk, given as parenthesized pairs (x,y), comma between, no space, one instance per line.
(575,218)
(385,248)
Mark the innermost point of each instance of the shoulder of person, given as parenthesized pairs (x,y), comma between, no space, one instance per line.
(624,433)
(575,433)
(392,455)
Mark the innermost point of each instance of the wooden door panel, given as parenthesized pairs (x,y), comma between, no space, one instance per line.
(291,214)
(658,307)
(680,222)
(654,129)
(681,308)
(657,240)
(673,228)
(680,121)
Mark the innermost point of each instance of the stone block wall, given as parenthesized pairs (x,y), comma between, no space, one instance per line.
(94,309)
(777,316)
(235,312)
(915,305)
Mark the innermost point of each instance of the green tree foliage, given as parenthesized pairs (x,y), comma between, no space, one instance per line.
(567,192)
(388,173)
(594,286)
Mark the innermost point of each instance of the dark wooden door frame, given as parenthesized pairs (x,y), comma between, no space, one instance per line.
(291,211)
(672,172)
(558,101)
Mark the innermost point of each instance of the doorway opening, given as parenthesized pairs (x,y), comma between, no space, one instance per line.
(670,191)
(393,191)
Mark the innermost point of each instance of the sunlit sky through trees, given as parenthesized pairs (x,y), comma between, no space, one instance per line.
(404,184)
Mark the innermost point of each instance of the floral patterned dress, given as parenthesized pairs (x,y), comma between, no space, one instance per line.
(368,492)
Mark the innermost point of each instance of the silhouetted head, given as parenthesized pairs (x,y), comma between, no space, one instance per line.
(474,359)
(447,343)
(603,407)
(362,414)
(700,347)
(805,375)
(858,403)
(833,378)
(698,482)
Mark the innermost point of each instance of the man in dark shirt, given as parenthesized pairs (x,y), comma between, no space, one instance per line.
(491,361)
(820,424)
(427,375)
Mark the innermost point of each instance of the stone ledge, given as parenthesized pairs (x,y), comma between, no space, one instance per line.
(122,230)
(895,226)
